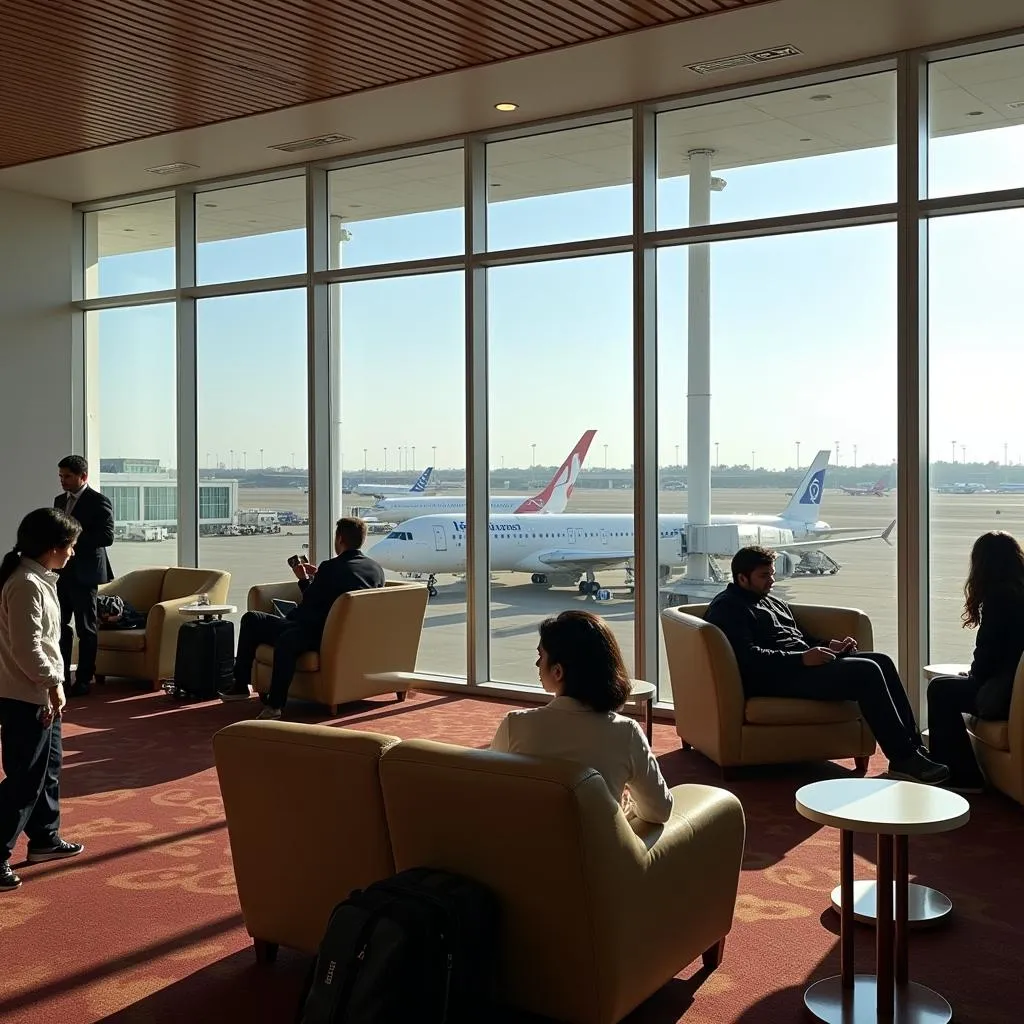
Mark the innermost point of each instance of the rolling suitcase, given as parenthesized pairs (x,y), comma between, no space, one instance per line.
(204,660)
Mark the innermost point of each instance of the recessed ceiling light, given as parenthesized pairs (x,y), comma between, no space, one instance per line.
(975,113)
(821,97)
(506,107)
(210,206)
(176,168)
(806,140)
(1016,104)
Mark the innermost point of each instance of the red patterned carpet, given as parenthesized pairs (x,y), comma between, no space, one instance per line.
(145,926)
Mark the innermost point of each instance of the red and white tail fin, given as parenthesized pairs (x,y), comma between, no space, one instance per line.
(556,495)
(880,487)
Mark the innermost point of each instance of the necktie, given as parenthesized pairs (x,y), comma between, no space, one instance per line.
(70,506)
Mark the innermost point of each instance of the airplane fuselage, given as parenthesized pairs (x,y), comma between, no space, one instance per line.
(519,543)
(398,510)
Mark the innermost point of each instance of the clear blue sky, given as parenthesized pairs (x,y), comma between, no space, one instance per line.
(803,331)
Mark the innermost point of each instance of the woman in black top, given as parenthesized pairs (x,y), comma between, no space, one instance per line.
(994,604)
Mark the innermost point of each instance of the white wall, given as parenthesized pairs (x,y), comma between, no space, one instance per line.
(36,353)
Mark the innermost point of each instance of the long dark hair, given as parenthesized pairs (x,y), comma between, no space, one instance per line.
(41,530)
(997,566)
(591,660)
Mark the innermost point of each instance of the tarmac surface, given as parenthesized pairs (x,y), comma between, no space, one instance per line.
(867,579)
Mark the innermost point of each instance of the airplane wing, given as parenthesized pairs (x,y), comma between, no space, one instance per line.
(827,540)
(581,560)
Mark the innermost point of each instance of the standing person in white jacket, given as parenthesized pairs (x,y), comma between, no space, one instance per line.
(579,661)
(32,690)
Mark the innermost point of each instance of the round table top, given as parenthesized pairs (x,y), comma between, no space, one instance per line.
(944,669)
(882,806)
(641,689)
(207,609)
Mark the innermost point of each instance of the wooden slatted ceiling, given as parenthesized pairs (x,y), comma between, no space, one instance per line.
(77,74)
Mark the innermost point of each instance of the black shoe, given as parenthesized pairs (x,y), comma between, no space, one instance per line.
(79,690)
(915,767)
(234,694)
(8,879)
(57,850)
(968,787)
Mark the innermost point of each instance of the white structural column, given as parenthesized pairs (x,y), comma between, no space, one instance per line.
(86,370)
(338,237)
(698,397)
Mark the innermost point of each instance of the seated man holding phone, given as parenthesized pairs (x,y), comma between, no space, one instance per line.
(301,629)
(777,659)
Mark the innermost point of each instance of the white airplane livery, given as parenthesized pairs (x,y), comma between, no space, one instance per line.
(379,490)
(553,498)
(570,546)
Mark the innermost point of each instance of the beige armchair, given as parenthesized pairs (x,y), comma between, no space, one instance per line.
(713,714)
(306,797)
(368,632)
(149,653)
(999,746)
(597,915)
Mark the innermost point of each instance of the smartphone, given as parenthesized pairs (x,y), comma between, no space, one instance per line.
(297,560)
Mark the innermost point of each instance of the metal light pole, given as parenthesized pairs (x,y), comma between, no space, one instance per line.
(954,453)
(231,458)
(433,448)
(677,455)
(533,455)
(753,459)
(261,459)
(385,459)
(854,456)
(243,461)
(797,454)
(718,461)
(837,453)
(364,460)
(414,456)
(606,456)
(963,454)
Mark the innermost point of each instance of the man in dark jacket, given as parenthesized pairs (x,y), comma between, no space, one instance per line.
(777,659)
(302,628)
(89,566)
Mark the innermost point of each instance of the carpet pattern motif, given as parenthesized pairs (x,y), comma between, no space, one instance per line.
(145,926)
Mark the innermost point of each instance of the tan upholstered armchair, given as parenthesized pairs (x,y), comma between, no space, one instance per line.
(367,632)
(999,746)
(149,653)
(597,916)
(713,715)
(277,779)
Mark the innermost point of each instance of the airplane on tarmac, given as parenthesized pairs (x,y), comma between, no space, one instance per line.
(553,498)
(559,549)
(879,490)
(379,490)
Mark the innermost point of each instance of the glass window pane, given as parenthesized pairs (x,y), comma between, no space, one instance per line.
(406,209)
(976,123)
(404,412)
(975,365)
(251,231)
(252,436)
(129,249)
(777,403)
(795,151)
(560,187)
(573,318)
(133,353)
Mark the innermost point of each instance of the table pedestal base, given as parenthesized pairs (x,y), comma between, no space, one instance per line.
(926,907)
(914,1003)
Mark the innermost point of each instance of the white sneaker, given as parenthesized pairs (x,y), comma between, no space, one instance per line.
(269,715)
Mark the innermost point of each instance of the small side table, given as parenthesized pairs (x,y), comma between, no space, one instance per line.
(944,669)
(892,811)
(643,695)
(207,611)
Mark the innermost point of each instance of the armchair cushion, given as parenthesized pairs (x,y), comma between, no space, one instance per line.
(992,734)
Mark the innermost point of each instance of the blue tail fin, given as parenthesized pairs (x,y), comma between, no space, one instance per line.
(421,484)
(805,504)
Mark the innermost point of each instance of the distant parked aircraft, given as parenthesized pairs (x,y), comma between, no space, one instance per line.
(879,490)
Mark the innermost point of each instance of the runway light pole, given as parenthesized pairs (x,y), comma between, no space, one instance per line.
(261,460)
(606,456)
(364,460)
(797,454)
(414,456)
(433,448)
(854,456)
(718,461)
(837,454)
(533,455)
(677,455)
(385,460)
(954,453)
(753,459)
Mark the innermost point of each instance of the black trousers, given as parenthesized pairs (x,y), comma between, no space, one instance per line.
(868,678)
(288,639)
(30,792)
(77,601)
(949,698)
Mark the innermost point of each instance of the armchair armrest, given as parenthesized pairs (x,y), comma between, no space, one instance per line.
(260,596)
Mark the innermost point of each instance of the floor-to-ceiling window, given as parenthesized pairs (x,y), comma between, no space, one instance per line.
(328,366)
(975,326)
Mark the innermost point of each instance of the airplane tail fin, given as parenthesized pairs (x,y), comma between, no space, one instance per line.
(421,483)
(556,495)
(882,484)
(805,504)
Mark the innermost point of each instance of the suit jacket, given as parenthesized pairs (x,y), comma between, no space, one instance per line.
(89,565)
(351,570)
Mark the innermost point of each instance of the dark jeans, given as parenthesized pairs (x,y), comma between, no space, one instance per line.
(288,639)
(77,601)
(868,678)
(949,697)
(30,792)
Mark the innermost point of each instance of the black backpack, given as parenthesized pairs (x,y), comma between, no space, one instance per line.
(420,946)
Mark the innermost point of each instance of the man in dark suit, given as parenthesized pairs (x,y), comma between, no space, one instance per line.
(88,568)
(303,627)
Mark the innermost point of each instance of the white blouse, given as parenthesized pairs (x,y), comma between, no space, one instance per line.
(30,658)
(612,744)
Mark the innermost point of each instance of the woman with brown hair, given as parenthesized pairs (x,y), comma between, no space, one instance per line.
(994,605)
(579,661)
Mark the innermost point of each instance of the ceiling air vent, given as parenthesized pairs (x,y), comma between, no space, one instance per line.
(173,168)
(320,140)
(1016,105)
(741,60)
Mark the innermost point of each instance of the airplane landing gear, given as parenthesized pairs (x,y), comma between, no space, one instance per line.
(539,579)
(816,563)
(589,586)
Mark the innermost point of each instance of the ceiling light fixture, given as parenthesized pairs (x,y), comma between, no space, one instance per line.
(506,108)
(331,139)
(175,168)
(975,113)
(821,97)
(1016,104)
